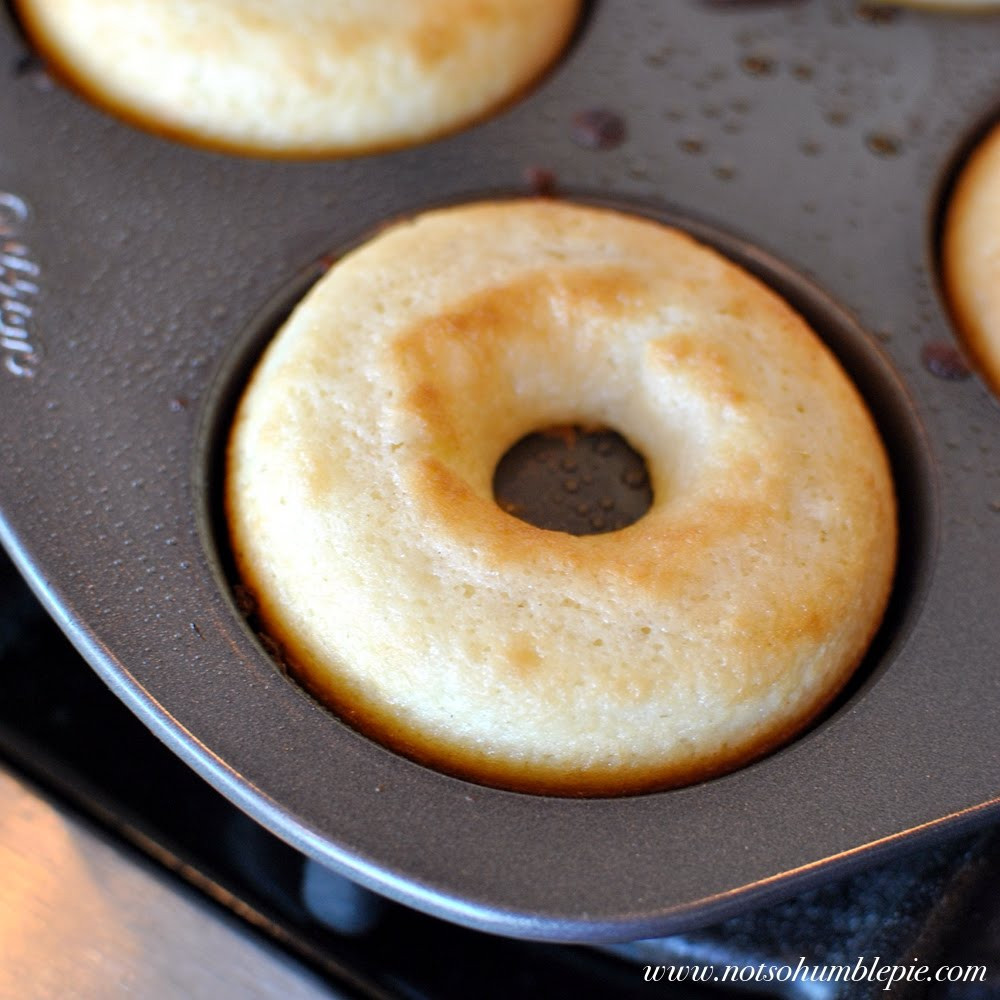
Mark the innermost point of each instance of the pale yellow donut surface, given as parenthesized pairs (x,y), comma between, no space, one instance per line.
(971,255)
(301,76)
(359,498)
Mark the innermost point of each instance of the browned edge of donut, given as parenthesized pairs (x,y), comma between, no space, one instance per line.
(481,769)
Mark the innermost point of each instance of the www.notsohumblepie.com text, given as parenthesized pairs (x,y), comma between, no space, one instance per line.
(864,970)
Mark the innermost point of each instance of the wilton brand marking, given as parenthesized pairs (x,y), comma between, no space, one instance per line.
(20,347)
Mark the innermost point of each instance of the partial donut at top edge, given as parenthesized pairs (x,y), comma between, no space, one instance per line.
(301,77)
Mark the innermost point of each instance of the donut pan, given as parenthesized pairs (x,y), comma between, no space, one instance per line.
(813,142)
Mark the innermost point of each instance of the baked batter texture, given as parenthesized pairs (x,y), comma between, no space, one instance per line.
(301,77)
(359,500)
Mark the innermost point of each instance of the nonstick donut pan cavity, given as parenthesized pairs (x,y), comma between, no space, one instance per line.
(808,141)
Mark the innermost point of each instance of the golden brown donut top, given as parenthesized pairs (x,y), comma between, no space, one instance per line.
(360,502)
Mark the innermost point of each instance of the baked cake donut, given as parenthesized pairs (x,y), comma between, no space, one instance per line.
(362,519)
(971,256)
(304,77)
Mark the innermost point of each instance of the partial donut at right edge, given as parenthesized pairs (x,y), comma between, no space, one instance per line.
(970,256)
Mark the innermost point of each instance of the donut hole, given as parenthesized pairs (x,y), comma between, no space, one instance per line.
(580,480)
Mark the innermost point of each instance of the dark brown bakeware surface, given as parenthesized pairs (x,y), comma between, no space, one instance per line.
(139,278)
